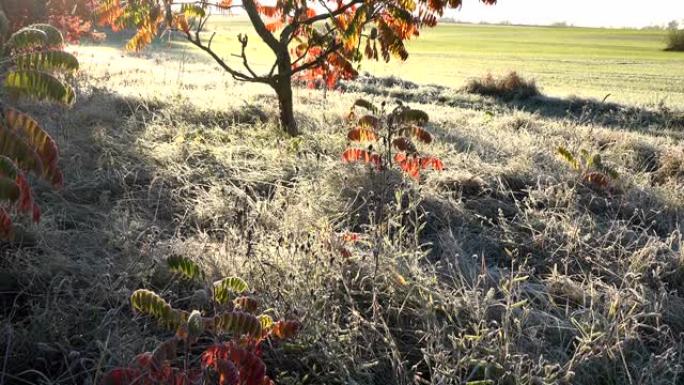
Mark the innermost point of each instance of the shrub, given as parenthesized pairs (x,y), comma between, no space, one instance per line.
(675,40)
(32,66)
(510,86)
(231,356)
(590,167)
(389,131)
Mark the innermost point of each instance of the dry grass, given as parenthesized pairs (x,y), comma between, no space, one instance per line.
(509,86)
(502,269)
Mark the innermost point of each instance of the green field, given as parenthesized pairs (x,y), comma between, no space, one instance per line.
(586,62)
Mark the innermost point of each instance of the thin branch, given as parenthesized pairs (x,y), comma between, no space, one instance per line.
(243,42)
(331,14)
(237,75)
(319,60)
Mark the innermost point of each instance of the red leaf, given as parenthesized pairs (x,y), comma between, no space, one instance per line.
(228,373)
(36,214)
(431,162)
(285,329)
(5,224)
(25,204)
(250,367)
(410,165)
(351,237)
(597,178)
(122,376)
(403,144)
(419,134)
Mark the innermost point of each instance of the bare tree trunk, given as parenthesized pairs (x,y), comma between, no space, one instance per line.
(283,81)
(286,105)
(283,88)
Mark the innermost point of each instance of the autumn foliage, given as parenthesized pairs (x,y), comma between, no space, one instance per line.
(72,17)
(34,65)
(398,130)
(236,335)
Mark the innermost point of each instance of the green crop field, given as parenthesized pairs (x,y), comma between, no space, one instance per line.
(586,62)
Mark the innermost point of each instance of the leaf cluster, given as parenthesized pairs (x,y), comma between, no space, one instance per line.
(238,333)
(400,131)
(33,66)
(590,167)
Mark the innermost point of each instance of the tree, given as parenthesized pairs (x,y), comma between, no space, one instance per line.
(314,40)
(72,17)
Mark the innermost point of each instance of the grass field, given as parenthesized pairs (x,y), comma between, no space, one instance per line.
(586,62)
(505,268)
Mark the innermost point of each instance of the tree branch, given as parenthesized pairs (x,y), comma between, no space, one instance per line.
(331,14)
(319,60)
(260,27)
(237,75)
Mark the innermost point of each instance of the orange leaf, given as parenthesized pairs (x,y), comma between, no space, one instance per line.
(180,22)
(362,134)
(225,4)
(285,329)
(275,25)
(410,165)
(268,11)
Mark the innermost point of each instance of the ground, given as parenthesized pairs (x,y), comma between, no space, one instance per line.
(504,268)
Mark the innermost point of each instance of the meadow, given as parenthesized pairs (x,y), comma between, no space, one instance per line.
(630,65)
(505,268)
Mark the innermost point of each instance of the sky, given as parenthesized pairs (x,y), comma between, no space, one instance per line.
(586,13)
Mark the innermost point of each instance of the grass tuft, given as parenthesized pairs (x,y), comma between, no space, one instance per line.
(509,86)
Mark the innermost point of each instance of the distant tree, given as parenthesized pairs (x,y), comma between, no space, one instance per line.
(675,37)
(314,40)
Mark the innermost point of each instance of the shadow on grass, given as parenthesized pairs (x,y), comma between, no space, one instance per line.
(657,121)
(65,291)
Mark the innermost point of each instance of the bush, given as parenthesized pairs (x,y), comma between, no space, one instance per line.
(675,40)
(232,354)
(510,86)
(34,66)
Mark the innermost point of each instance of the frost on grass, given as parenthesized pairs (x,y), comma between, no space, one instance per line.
(505,267)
